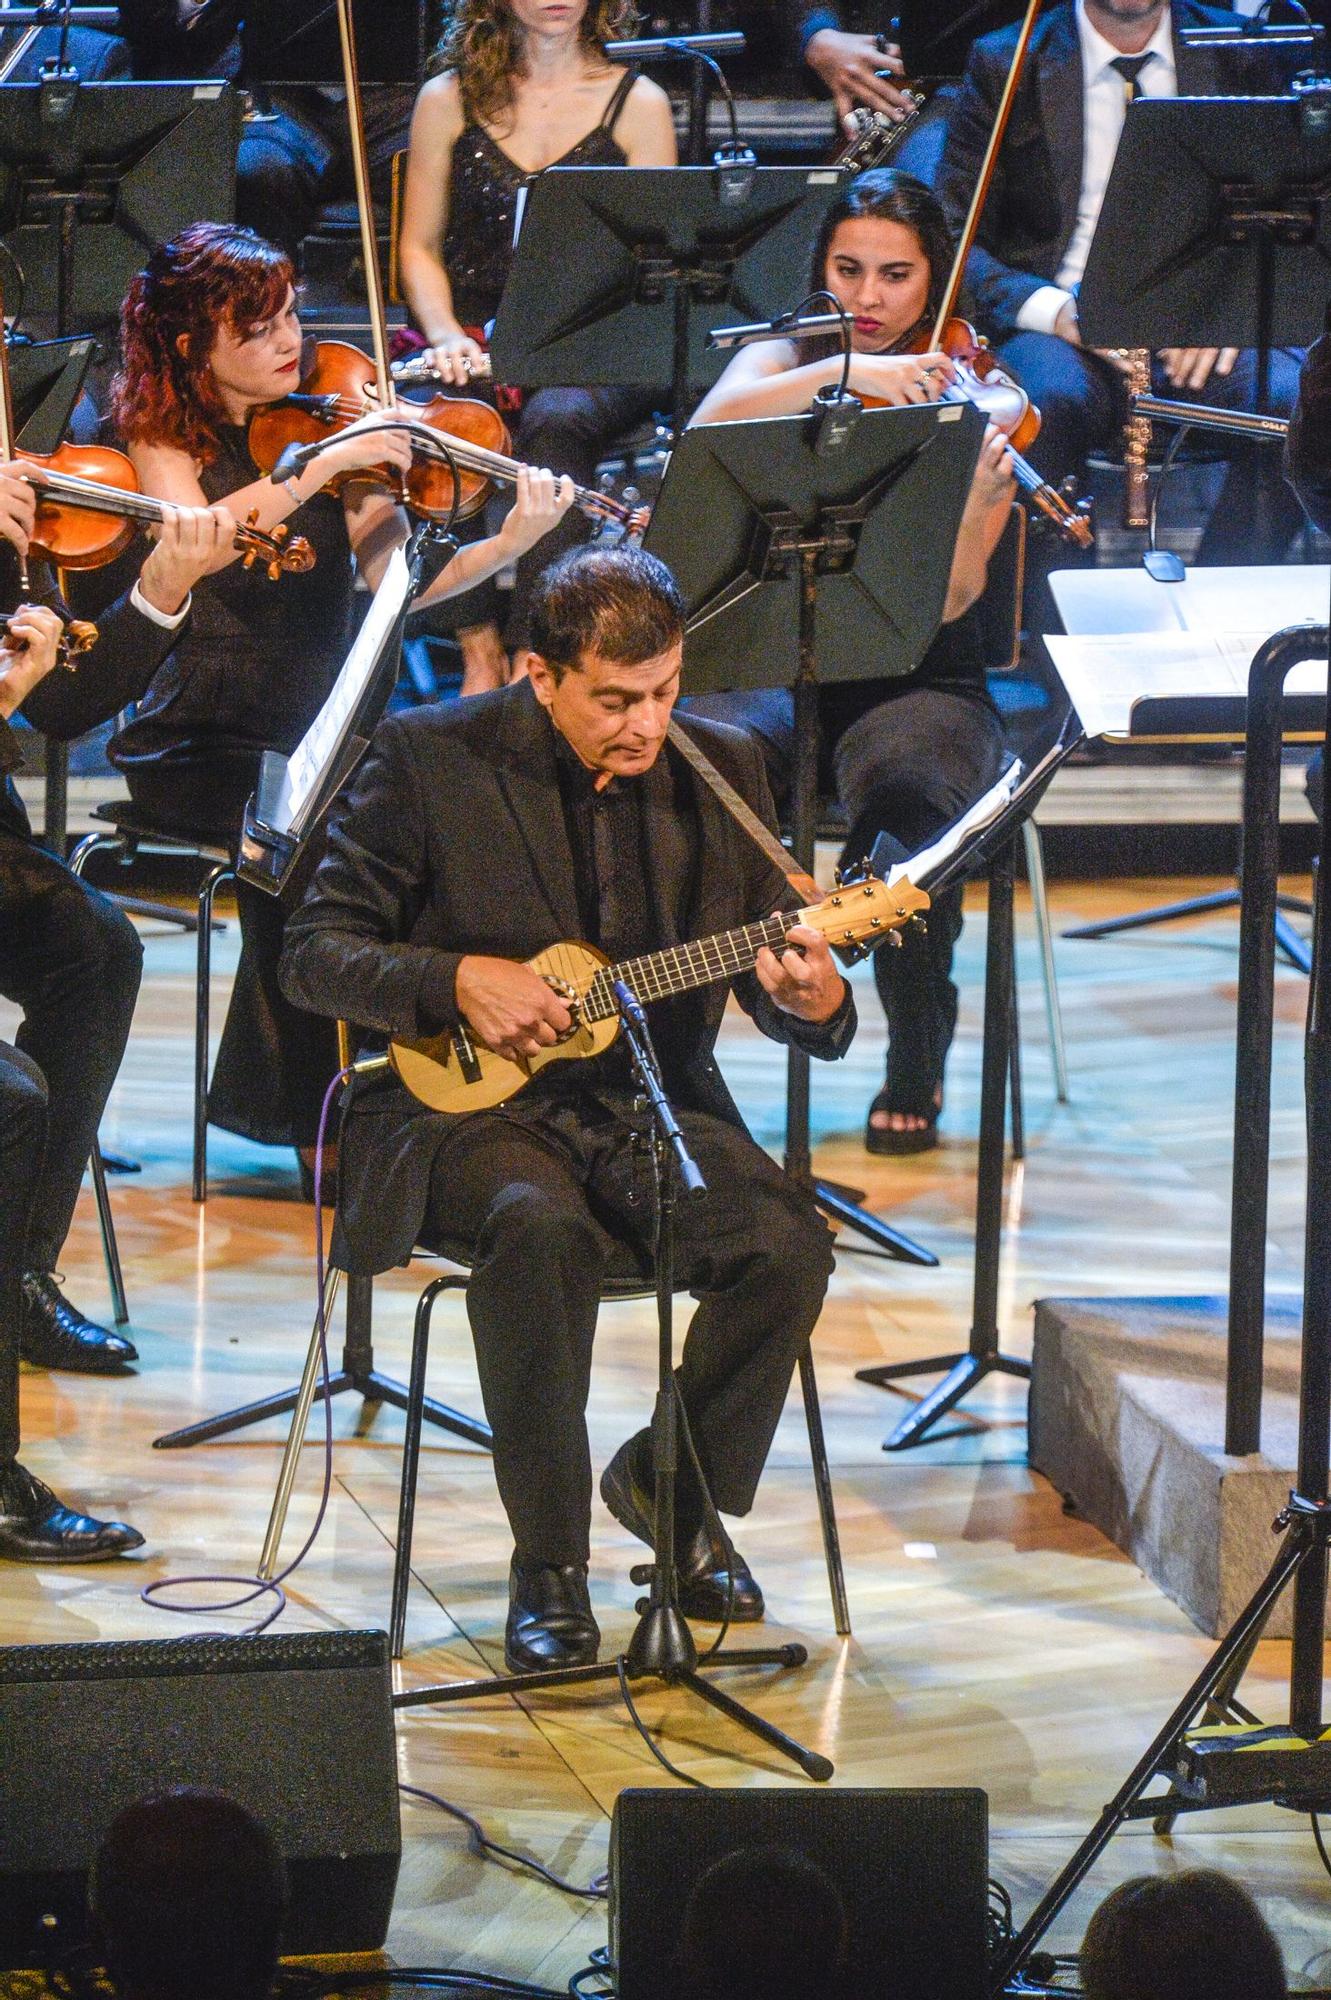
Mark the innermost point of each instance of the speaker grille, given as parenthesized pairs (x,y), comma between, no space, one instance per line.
(208,1653)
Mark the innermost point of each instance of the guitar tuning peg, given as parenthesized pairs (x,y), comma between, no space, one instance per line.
(894,939)
(917,923)
(838,877)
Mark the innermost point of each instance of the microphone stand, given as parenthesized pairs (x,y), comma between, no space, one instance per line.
(663,1646)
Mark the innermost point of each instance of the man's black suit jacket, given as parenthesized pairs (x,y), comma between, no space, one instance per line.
(1031,212)
(115,672)
(1308,463)
(452,841)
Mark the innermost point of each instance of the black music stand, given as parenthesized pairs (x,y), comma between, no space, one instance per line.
(664,255)
(992,846)
(791,552)
(1239,256)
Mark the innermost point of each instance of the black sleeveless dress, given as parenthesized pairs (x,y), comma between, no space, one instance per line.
(253,667)
(483,193)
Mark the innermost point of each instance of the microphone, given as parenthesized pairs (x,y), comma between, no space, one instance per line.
(664,48)
(295,459)
(786,326)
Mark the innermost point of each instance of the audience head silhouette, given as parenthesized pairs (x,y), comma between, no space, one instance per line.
(1195,1936)
(188,1894)
(763,1921)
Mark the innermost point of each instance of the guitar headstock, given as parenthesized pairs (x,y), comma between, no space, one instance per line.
(860,914)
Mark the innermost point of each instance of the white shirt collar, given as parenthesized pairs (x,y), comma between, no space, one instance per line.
(1097,55)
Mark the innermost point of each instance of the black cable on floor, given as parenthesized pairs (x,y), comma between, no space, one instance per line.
(491,1850)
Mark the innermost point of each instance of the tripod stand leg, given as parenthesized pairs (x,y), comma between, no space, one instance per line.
(810,1762)
(822,1479)
(1166,913)
(1240,1639)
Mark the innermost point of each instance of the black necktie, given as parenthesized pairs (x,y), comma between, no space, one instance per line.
(1130,69)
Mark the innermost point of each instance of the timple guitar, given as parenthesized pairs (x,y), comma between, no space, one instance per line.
(453,1072)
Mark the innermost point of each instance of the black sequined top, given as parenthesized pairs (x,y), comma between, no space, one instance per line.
(483,192)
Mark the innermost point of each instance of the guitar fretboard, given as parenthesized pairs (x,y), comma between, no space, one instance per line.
(681,967)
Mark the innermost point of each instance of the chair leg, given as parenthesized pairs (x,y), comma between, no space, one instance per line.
(822,1480)
(94,843)
(110,1248)
(1035,875)
(222,872)
(411,1459)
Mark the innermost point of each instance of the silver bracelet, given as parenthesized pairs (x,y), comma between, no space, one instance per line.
(289,486)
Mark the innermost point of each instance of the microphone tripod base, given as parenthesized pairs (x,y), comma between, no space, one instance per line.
(662,1644)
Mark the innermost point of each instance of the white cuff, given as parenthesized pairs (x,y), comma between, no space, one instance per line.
(170,621)
(1042,308)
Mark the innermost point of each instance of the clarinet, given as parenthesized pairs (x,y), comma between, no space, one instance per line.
(876,136)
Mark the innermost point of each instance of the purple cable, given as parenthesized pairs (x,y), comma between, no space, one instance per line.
(257,1586)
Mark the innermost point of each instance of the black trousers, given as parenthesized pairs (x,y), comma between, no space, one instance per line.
(552,1196)
(903,762)
(22,1148)
(566,430)
(71,961)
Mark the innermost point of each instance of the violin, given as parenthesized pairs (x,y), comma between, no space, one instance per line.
(447,432)
(982,380)
(78,635)
(89,503)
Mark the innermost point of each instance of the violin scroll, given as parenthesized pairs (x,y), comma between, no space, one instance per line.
(278,551)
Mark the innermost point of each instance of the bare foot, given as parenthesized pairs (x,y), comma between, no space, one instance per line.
(905,1121)
(485,664)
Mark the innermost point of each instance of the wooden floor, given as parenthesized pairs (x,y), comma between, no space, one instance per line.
(996,1641)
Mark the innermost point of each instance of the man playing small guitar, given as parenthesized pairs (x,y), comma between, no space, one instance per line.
(476,836)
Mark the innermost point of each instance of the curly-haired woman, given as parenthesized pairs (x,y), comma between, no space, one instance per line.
(525,87)
(210,334)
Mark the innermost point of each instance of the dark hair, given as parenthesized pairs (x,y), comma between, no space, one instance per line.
(213,274)
(1194,1936)
(620,603)
(762,1921)
(481,43)
(187,1898)
(890,196)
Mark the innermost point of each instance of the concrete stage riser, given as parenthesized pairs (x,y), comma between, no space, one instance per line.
(1127,1419)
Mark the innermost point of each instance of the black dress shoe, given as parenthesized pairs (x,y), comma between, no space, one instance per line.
(702,1565)
(36,1527)
(550,1622)
(55,1334)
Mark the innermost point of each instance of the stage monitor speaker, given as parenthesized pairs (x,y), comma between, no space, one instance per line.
(912,1868)
(298,1728)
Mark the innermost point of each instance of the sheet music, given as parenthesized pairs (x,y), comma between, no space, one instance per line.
(919,868)
(1107,673)
(321,745)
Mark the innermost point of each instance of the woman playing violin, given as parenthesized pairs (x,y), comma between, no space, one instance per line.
(908,754)
(210,335)
(525,88)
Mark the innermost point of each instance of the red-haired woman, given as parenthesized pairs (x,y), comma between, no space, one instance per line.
(210,334)
(525,88)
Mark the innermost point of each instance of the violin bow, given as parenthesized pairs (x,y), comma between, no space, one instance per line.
(360,166)
(971,228)
(8,437)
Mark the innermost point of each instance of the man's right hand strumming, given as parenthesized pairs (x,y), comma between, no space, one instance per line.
(509,1007)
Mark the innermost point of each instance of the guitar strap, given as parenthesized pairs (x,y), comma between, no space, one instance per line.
(803,884)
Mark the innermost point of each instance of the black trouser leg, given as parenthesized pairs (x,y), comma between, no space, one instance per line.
(545,1207)
(757,1255)
(538,1262)
(22,1145)
(908,767)
(71,961)
(566,430)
